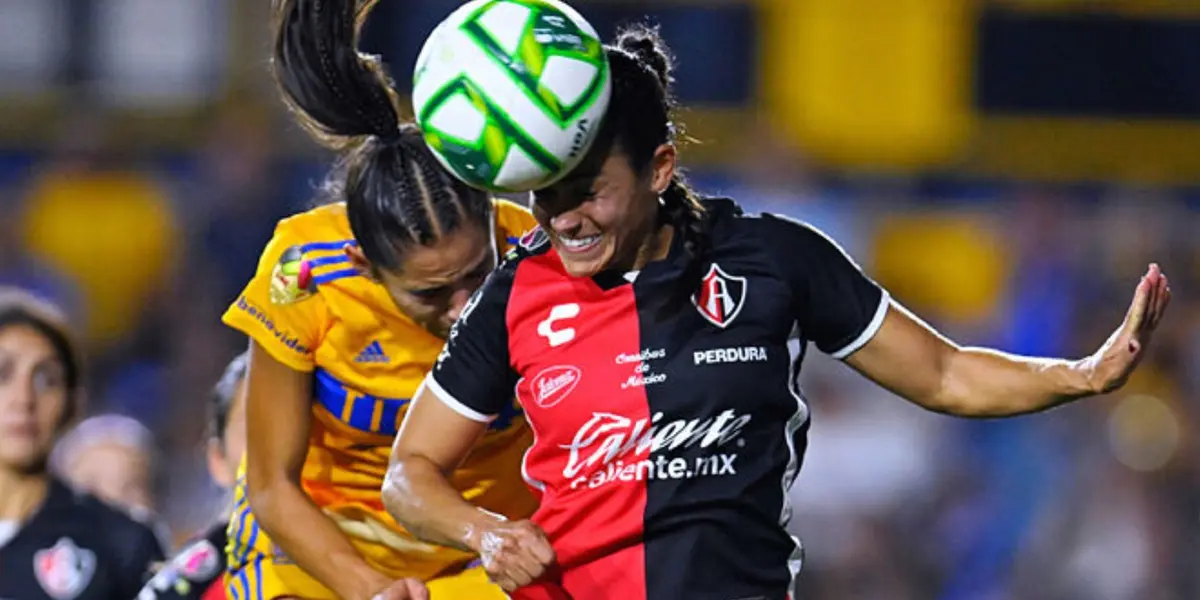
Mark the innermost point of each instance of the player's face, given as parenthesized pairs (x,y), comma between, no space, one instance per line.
(434,282)
(224,456)
(604,213)
(33,398)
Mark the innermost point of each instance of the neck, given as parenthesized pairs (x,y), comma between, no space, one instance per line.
(656,247)
(23,493)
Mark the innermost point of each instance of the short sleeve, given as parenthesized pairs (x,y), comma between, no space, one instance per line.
(473,374)
(280,308)
(138,550)
(837,306)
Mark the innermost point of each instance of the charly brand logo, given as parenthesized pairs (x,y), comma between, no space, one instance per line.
(609,447)
(553,384)
(721,297)
(560,312)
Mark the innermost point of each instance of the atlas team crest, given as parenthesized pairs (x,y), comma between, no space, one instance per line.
(721,297)
(65,569)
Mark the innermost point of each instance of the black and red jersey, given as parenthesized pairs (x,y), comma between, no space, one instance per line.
(77,548)
(665,441)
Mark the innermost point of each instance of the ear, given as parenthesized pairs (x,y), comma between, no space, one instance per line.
(662,167)
(358,259)
(218,468)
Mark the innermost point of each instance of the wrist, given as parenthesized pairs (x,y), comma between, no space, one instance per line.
(474,528)
(1081,380)
(363,583)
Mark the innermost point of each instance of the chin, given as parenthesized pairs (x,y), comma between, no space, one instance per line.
(22,460)
(589,263)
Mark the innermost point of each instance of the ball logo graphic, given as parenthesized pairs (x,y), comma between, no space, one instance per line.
(510,93)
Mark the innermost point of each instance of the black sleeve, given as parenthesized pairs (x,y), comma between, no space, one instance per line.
(138,551)
(473,374)
(837,307)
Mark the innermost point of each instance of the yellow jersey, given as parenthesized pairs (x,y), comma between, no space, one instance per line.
(310,309)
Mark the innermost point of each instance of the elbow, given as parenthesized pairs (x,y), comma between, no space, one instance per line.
(264,494)
(398,497)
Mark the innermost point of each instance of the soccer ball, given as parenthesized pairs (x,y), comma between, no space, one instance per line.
(510,93)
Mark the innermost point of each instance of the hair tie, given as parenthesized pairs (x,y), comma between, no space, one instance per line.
(391,138)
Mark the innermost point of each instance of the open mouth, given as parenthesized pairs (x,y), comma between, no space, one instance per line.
(578,245)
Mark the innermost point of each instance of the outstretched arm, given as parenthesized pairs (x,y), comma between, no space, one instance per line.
(913,360)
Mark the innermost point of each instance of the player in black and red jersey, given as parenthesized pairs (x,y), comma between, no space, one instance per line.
(646,334)
(195,573)
(55,543)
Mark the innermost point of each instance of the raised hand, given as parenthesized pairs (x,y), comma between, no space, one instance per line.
(1110,366)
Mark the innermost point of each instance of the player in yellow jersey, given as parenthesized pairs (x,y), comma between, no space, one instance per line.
(347,312)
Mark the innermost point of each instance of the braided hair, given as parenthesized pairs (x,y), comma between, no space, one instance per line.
(640,118)
(396,192)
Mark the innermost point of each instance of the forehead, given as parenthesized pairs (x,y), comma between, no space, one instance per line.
(611,165)
(24,340)
(447,258)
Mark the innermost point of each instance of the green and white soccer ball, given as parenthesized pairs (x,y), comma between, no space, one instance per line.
(510,93)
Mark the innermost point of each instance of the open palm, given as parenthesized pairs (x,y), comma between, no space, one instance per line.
(1111,365)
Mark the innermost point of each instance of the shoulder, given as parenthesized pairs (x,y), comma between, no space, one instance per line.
(323,226)
(781,235)
(307,250)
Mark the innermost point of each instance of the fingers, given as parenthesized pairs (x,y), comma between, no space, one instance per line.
(416,589)
(1159,296)
(1137,309)
(515,554)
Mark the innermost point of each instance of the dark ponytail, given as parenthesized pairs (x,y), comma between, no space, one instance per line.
(641,117)
(396,192)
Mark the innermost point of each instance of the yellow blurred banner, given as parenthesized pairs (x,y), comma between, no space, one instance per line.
(870,83)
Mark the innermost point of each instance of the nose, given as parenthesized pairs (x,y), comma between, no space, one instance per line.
(458,300)
(18,395)
(566,222)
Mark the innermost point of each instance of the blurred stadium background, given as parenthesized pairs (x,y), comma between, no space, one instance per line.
(1007,168)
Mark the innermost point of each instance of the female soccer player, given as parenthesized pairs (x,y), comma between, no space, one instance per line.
(646,335)
(347,312)
(195,573)
(54,543)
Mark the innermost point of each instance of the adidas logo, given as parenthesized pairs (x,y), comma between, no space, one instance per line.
(373,353)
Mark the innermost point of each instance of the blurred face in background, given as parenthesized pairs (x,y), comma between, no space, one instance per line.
(33,398)
(225,452)
(113,471)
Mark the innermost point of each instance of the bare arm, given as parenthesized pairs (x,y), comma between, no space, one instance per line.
(277,419)
(909,358)
(432,442)
(434,439)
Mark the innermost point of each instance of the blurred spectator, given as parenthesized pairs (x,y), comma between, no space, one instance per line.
(113,457)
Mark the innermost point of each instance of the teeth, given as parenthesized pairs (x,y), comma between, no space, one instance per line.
(576,244)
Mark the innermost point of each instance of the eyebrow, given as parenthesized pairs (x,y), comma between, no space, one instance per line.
(477,267)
